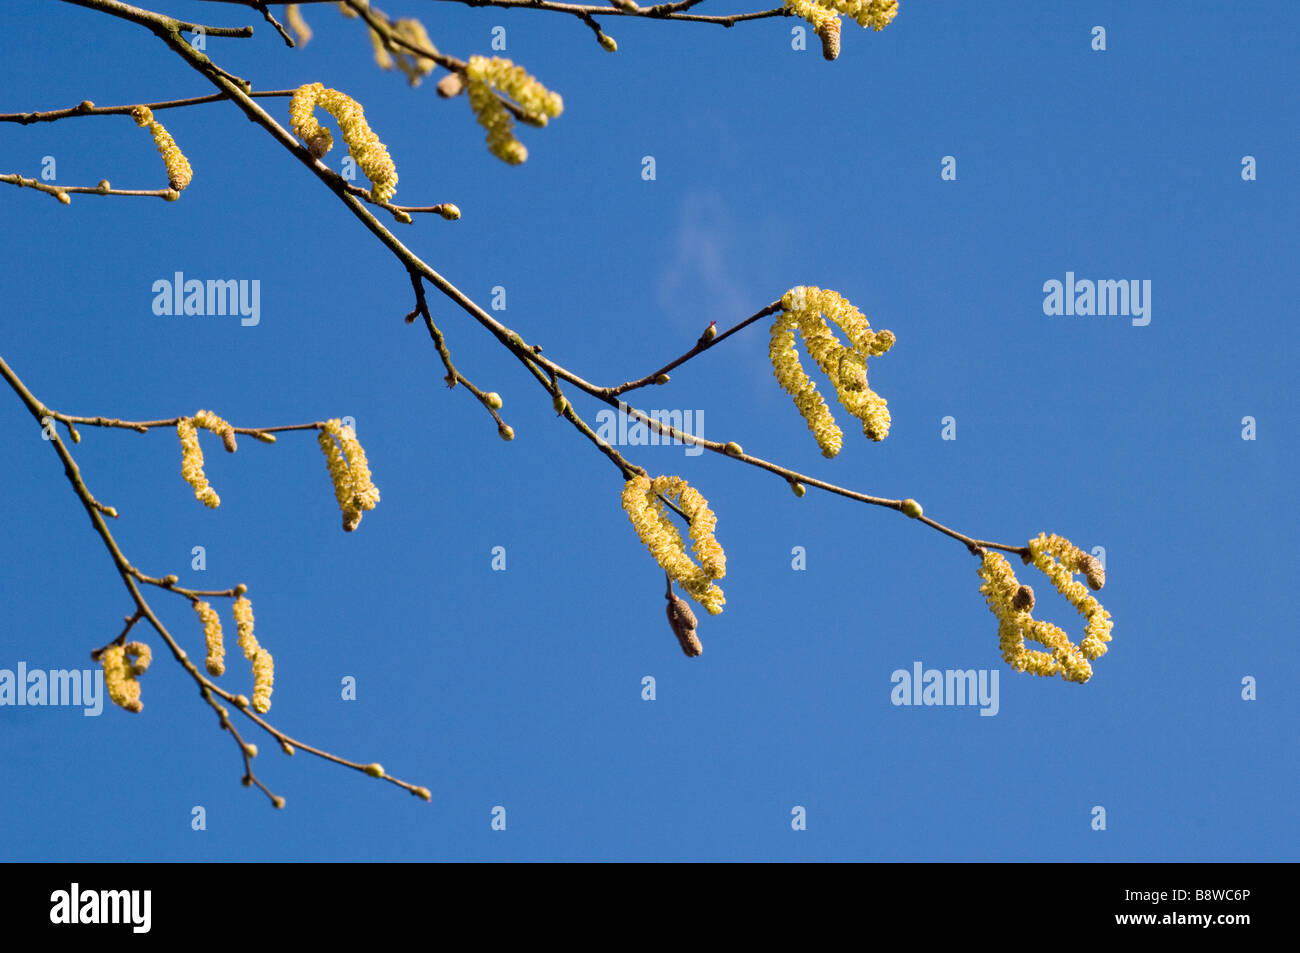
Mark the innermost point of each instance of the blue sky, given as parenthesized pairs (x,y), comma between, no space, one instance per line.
(523,688)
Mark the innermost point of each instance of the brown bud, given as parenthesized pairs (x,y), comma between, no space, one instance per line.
(451,85)
(830,36)
(319,145)
(1095,572)
(1023,600)
(228,440)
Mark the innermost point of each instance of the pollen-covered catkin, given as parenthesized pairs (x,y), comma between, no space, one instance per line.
(263,680)
(192,463)
(661,537)
(485,77)
(1012,603)
(119,679)
(367,493)
(370,154)
(805,309)
(794,380)
(263,663)
(415,66)
(349,472)
(824,17)
(242,610)
(495,118)
(213,638)
(179,172)
(293,17)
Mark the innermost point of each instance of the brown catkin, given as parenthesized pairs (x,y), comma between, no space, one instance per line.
(830,37)
(683,623)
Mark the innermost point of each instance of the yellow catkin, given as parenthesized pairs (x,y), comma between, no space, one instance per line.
(301,31)
(349,471)
(179,172)
(192,463)
(794,380)
(263,680)
(119,679)
(383,59)
(213,638)
(1013,603)
(868,14)
(484,78)
(263,664)
(661,537)
(370,154)
(413,65)
(806,309)
(242,610)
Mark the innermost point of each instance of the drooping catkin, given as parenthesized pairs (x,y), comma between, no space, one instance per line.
(1012,603)
(263,663)
(370,154)
(872,14)
(192,463)
(661,537)
(805,310)
(485,77)
(683,623)
(213,638)
(120,680)
(301,31)
(349,472)
(179,172)
(263,680)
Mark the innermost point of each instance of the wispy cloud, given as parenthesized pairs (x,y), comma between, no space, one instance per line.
(704,262)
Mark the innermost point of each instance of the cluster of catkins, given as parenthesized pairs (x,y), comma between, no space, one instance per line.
(824,15)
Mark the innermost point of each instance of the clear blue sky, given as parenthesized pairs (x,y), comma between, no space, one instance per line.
(774,168)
